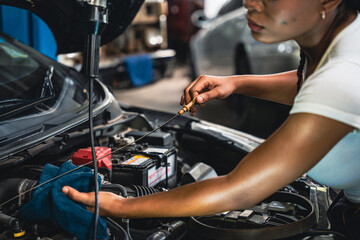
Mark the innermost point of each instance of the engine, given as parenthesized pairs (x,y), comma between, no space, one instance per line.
(159,162)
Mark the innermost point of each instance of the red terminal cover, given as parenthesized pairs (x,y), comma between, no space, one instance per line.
(84,155)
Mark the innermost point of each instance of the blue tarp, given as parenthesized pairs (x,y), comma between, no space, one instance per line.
(140,69)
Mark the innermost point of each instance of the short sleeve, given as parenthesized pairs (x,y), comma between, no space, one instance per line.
(333,91)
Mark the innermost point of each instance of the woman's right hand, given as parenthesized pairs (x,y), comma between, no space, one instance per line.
(107,200)
(205,88)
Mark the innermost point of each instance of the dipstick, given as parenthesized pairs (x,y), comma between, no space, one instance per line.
(187,107)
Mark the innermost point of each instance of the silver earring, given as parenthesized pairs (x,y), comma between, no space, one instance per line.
(323,14)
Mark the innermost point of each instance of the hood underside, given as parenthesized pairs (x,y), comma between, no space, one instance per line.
(66,19)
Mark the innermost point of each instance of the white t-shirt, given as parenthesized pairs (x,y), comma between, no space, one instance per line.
(333,91)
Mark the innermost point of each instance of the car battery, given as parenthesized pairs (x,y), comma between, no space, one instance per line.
(145,165)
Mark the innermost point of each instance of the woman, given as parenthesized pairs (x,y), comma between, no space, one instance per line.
(321,135)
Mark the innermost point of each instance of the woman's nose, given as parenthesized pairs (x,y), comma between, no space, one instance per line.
(254,5)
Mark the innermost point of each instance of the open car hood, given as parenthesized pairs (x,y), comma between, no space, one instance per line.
(66,21)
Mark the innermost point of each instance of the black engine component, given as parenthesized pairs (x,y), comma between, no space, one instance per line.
(172,231)
(13,224)
(130,191)
(281,215)
(13,187)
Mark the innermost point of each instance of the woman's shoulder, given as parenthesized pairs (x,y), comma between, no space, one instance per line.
(349,34)
(342,72)
(345,46)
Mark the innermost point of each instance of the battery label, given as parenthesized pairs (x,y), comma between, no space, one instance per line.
(136,160)
(156,175)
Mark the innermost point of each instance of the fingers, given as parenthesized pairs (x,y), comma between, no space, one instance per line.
(182,100)
(192,111)
(208,95)
(190,91)
(205,88)
(106,200)
(73,194)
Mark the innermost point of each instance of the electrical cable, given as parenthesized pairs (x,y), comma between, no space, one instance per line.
(128,228)
(118,227)
(92,142)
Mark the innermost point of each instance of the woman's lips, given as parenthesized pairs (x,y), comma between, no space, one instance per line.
(253,26)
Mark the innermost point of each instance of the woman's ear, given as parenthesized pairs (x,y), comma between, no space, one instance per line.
(330,5)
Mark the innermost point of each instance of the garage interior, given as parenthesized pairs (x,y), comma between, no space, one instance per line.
(147,68)
(164,95)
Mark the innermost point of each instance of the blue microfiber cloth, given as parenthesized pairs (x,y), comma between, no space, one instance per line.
(48,203)
(140,69)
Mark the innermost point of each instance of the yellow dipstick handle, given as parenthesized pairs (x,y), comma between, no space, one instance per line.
(187,107)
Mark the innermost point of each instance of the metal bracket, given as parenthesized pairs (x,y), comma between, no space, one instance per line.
(99,3)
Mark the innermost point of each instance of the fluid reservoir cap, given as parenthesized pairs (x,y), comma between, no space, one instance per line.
(84,155)
(19,234)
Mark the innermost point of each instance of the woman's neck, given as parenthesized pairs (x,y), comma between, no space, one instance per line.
(330,29)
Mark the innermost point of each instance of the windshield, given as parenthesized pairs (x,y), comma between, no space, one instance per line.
(39,96)
(29,86)
(17,74)
(24,83)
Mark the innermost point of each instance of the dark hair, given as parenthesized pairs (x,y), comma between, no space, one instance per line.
(350,4)
(300,69)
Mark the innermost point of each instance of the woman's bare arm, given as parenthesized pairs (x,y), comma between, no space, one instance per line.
(291,151)
(280,87)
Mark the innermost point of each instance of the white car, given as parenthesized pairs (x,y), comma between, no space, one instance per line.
(225,46)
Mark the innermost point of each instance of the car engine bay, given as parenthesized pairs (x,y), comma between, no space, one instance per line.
(185,151)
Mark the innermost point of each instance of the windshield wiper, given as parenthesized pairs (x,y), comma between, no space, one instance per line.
(18,104)
(47,85)
(11,102)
